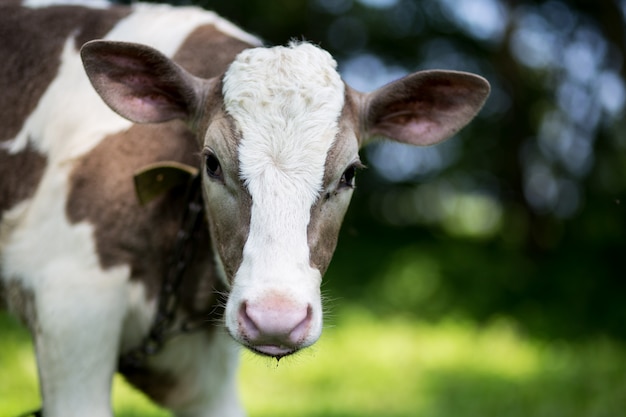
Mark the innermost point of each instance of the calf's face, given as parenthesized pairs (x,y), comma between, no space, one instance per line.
(279,134)
(283,128)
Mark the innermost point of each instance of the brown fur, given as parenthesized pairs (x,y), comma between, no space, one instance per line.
(127,233)
(156,385)
(20,302)
(20,175)
(325,222)
(102,193)
(230,230)
(207,52)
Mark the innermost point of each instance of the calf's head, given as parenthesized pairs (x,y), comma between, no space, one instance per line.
(279,133)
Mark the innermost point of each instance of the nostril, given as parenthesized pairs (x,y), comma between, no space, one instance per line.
(275,326)
(247,325)
(299,332)
(282,323)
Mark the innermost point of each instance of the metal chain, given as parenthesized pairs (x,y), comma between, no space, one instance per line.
(163,326)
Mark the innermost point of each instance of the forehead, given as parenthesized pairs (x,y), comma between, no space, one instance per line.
(300,74)
(286,103)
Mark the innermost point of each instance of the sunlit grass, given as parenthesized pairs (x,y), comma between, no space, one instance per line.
(366,366)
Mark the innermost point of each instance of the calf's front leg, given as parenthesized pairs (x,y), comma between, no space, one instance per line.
(78,324)
(194,375)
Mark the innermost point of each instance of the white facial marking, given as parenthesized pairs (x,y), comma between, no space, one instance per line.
(286,102)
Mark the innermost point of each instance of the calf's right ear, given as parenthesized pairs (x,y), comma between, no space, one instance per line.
(140,83)
(423,108)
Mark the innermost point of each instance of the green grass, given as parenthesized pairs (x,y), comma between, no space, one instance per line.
(366,367)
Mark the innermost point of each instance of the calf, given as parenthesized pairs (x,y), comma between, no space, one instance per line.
(103,252)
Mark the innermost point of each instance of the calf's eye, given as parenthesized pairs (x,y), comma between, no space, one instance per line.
(212,166)
(347,179)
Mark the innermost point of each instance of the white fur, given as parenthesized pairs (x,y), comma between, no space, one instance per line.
(286,102)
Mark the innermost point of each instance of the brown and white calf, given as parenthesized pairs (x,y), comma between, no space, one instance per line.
(274,134)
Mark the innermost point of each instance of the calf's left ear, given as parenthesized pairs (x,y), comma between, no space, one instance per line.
(423,108)
(141,84)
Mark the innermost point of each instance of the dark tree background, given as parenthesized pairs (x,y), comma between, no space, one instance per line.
(520,215)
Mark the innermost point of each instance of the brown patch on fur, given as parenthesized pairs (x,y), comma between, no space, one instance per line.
(32,41)
(323,232)
(155,384)
(325,223)
(324,226)
(229,229)
(20,175)
(20,302)
(207,52)
(126,233)
(352,114)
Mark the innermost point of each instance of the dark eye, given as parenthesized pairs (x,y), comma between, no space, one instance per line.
(347,179)
(212,166)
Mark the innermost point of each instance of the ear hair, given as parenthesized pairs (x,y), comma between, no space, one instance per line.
(140,83)
(423,108)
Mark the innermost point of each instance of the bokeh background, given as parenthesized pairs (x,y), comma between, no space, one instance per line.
(485,275)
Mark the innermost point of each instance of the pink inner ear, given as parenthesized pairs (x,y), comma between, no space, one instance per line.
(139,82)
(425,108)
(412,129)
(149,107)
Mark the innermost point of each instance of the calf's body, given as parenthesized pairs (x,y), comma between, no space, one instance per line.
(274,135)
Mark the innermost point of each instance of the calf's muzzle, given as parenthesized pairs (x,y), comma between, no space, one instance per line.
(274,326)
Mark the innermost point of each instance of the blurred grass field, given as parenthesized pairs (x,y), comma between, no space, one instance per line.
(365,366)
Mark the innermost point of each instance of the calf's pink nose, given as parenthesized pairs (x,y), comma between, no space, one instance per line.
(274,328)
